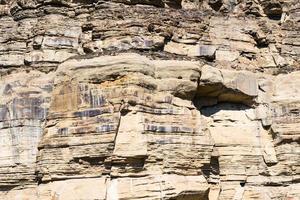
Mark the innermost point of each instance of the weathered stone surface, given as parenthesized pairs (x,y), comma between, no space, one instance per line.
(23,107)
(149,99)
(224,85)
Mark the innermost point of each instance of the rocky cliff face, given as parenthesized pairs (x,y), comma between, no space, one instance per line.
(149,99)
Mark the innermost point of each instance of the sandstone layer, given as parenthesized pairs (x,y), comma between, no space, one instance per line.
(149,99)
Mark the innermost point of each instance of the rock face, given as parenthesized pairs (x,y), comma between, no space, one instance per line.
(149,99)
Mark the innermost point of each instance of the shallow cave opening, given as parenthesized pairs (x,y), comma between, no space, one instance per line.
(215,4)
(275,16)
(209,110)
(273,11)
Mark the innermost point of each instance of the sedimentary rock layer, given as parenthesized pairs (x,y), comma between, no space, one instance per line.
(149,99)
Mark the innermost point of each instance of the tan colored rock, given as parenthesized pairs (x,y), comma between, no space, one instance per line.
(47,56)
(207,51)
(11,60)
(227,85)
(181,49)
(74,189)
(157,187)
(130,141)
(149,99)
(223,55)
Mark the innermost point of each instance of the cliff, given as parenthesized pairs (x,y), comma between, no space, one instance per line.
(149,99)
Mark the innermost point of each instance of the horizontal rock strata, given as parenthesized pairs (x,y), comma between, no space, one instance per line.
(149,100)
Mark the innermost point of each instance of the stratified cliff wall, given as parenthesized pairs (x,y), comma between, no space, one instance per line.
(149,99)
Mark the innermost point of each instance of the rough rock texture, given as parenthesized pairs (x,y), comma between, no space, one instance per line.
(149,99)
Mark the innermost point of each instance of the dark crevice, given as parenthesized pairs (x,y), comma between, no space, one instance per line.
(192,195)
(209,94)
(118,127)
(261,41)
(249,56)
(211,110)
(87,27)
(266,127)
(212,168)
(212,96)
(157,3)
(269,164)
(56,3)
(285,69)
(215,4)
(38,177)
(89,160)
(5,188)
(261,89)
(151,27)
(156,53)
(242,184)
(3,2)
(273,10)
(274,16)
(69,178)
(167,38)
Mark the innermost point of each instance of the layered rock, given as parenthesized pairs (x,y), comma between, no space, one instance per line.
(149,100)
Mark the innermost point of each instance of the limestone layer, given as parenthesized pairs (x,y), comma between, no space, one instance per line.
(149,99)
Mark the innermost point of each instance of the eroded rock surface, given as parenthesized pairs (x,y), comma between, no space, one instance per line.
(149,99)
